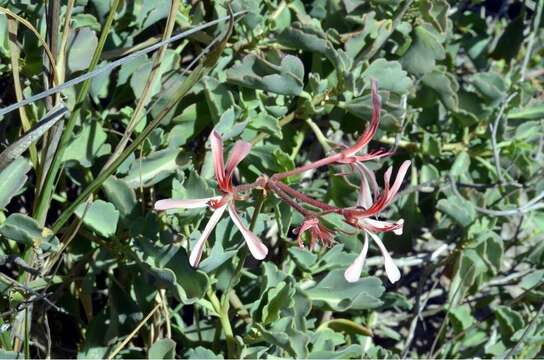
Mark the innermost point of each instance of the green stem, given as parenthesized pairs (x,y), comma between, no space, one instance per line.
(48,189)
(319,135)
(223,312)
(222,307)
(27,336)
(257,211)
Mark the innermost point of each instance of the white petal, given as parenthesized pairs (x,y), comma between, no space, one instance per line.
(364,198)
(399,230)
(167,204)
(256,247)
(353,272)
(381,226)
(392,271)
(196,252)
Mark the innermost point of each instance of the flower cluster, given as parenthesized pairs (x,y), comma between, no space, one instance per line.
(364,215)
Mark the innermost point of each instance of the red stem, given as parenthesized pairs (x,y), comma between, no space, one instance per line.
(283,196)
(303,197)
(313,165)
(260,182)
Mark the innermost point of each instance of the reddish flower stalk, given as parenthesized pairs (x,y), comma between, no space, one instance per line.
(274,186)
(303,197)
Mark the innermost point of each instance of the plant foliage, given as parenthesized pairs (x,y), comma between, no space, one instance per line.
(92,267)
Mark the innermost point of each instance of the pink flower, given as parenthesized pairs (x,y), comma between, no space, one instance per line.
(219,204)
(317,232)
(360,217)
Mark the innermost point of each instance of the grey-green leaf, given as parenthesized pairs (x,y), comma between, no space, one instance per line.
(390,76)
(25,230)
(120,194)
(426,49)
(533,112)
(101,216)
(12,179)
(162,349)
(460,211)
(341,295)
(155,167)
(256,73)
(81,49)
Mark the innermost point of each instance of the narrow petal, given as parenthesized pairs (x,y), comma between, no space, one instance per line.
(387,178)
(376,207)
(392,271)
(375,120)
(353,272)
(217,156)
(364,198)
(398,181)
(377,154)
(382,226)
(239,152)
(256,247)
(196,252)
(371,178)
(369,133)
(167,204)
(399,230)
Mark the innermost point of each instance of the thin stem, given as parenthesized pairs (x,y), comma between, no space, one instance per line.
(52,138)
(110,66)
(313,165)
(259,183)
(531,205)
(494,128)
(14,57)
(319,135)
(41,40)
(257,211)
(225,323)
(285,197)
(305,198)
(134,332)
(536,26)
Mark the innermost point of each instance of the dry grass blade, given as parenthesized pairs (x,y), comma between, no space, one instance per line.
(14,57)
(133,333)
